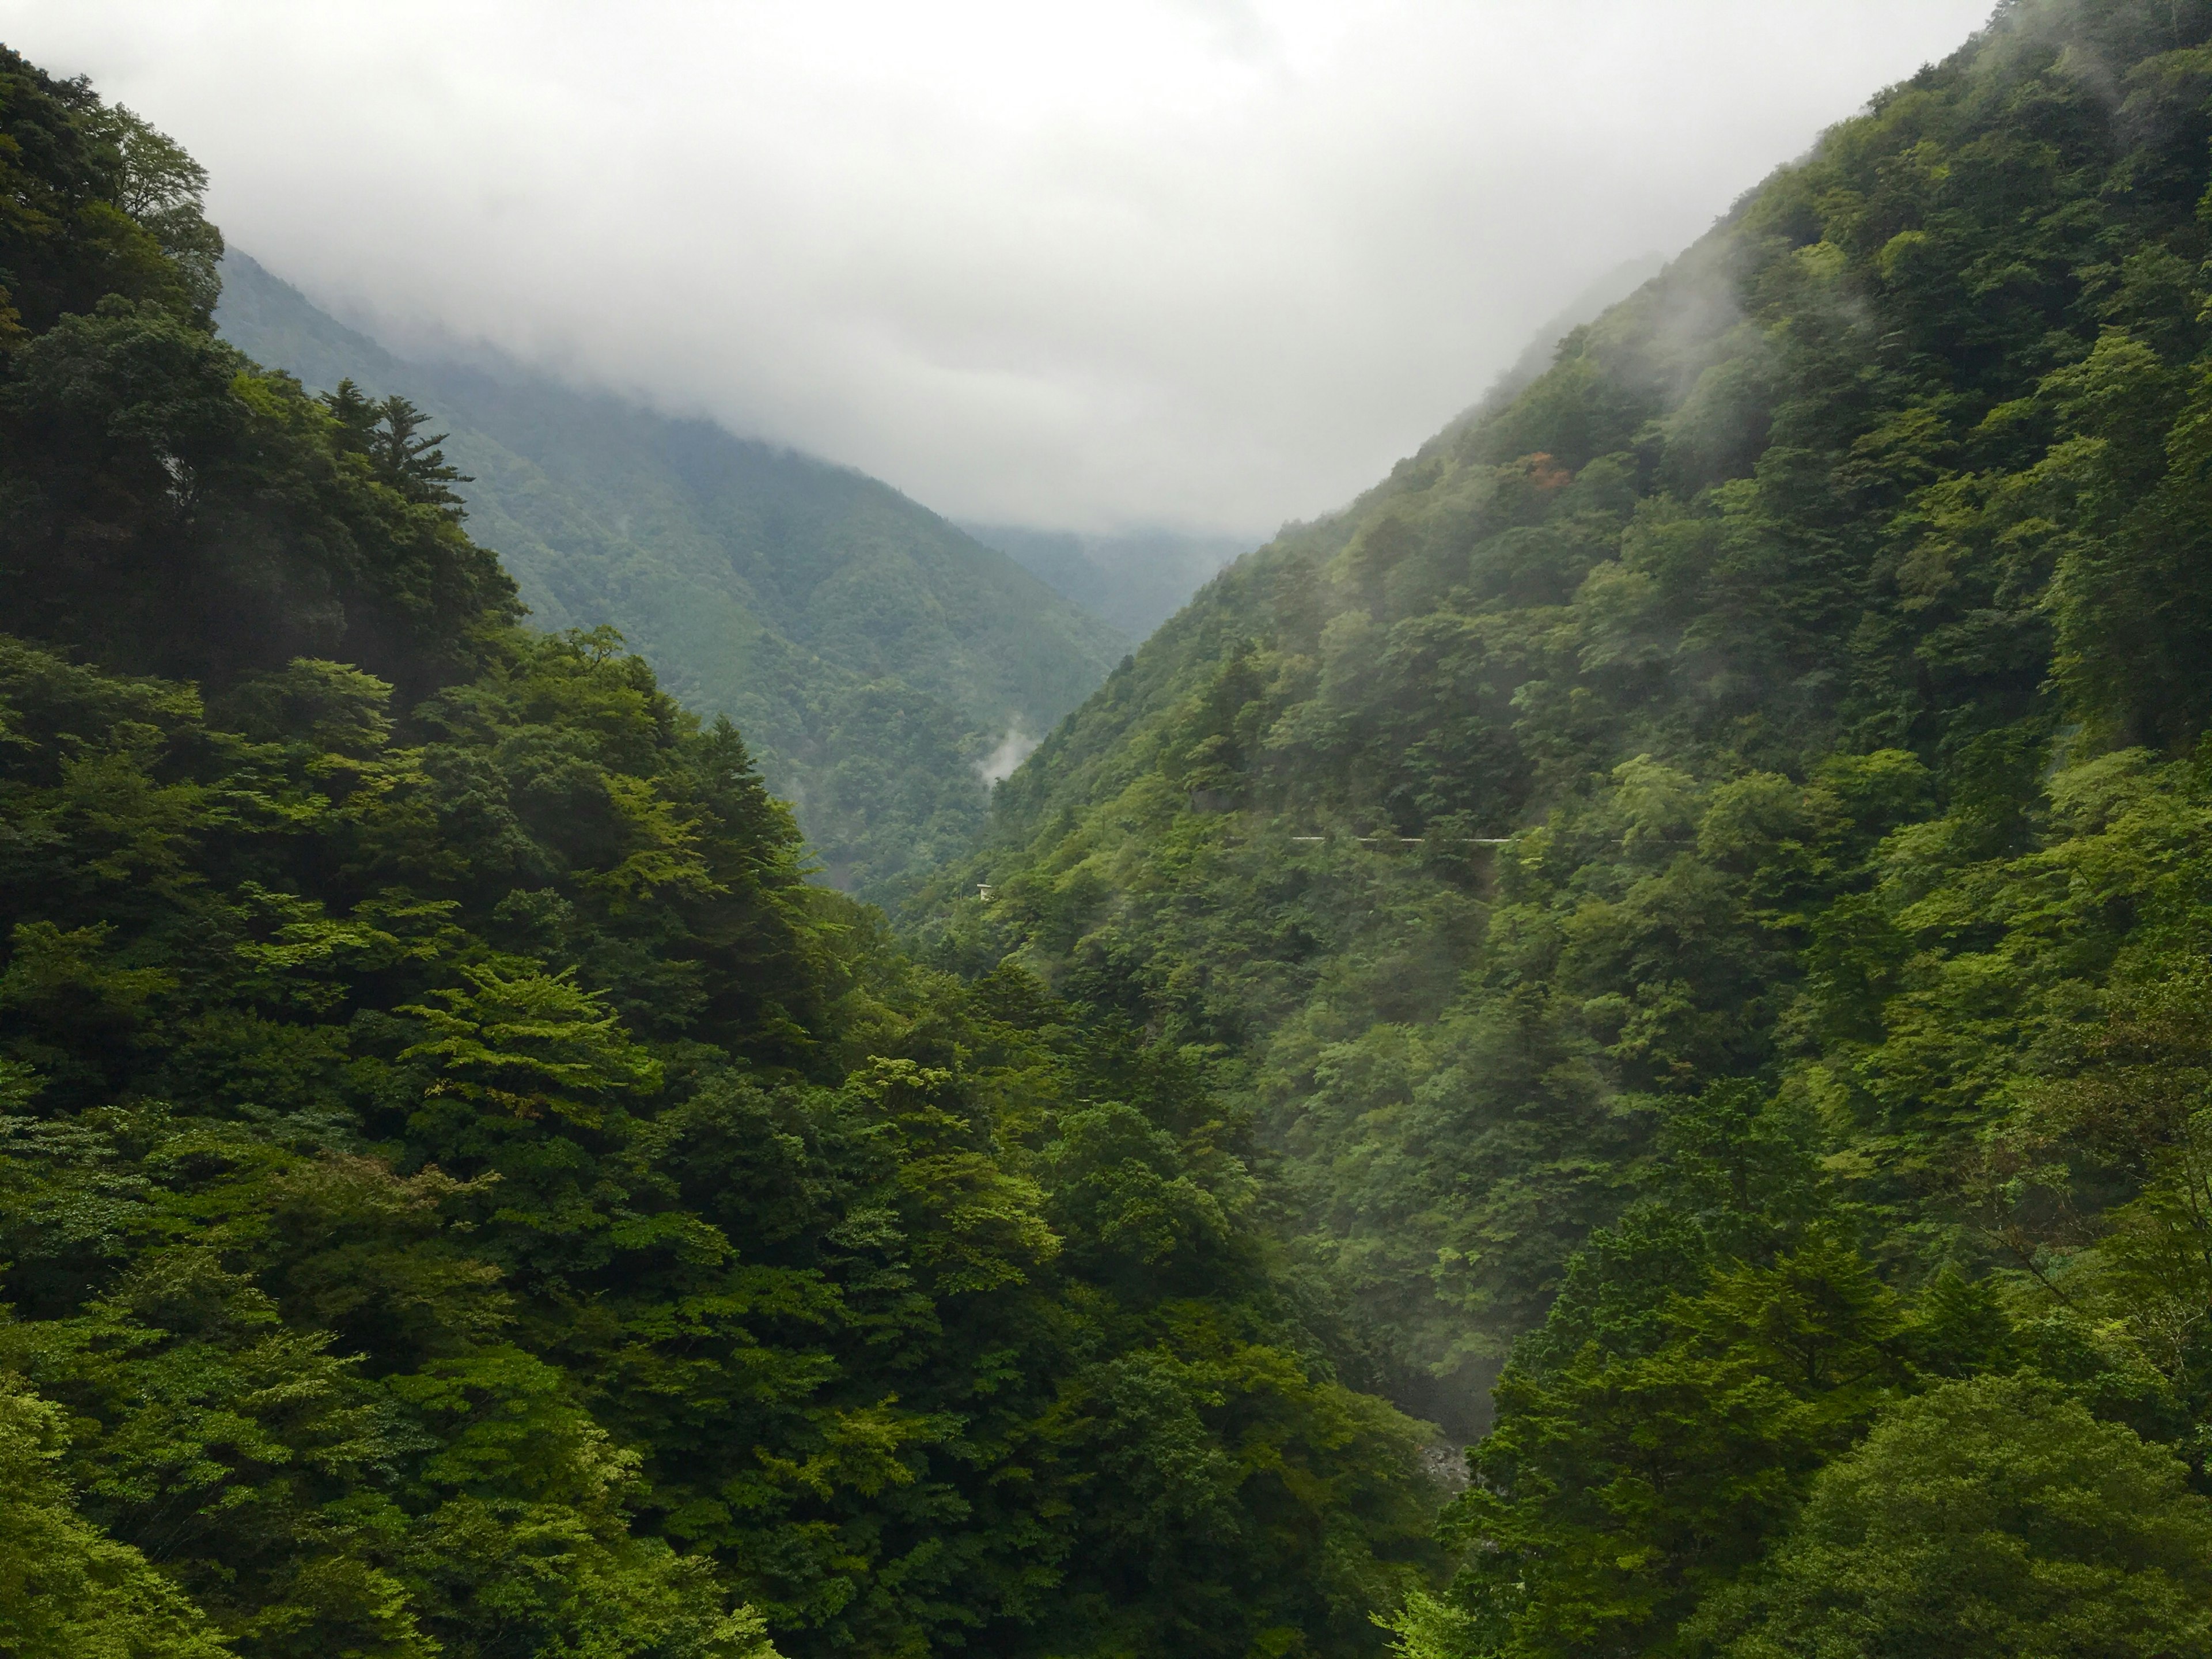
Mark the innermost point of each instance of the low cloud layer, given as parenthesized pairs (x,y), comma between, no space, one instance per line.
(1197,263)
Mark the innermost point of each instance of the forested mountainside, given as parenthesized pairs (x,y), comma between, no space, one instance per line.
(874,656)
(1136,581)
(462,1191)
(1702,882)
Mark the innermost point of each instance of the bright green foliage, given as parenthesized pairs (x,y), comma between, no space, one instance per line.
(469,1196)
(66,1592)
(1618,1489)
(454,1198)
(464,1193)
(1992,1516)
(1701,879)
(874,655)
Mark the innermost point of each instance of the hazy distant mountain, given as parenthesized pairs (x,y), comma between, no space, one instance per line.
(1136,581)
(876,658)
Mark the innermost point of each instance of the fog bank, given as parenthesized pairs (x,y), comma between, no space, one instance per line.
(1188,263)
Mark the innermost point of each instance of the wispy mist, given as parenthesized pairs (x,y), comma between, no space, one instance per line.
(1013,749)
(1207,263)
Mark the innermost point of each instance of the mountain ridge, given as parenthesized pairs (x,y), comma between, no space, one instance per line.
(874,654)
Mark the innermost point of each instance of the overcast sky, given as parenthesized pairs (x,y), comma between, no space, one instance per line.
(1209,263)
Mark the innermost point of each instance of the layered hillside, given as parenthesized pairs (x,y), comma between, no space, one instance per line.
(1700,880)
(875,656)
(464,1193)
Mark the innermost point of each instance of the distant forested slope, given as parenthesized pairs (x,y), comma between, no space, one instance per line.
(874,655)
(464,1193)
(1135,580)
(1801,1117)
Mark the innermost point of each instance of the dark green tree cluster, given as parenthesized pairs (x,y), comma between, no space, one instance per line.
(462,1191)
(165,505)
(1703,882)
(390,434)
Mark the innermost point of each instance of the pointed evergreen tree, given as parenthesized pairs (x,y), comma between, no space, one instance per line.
(413,464)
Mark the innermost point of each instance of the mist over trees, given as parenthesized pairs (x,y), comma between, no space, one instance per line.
(1699,881)
(1135,580)
(1605,1054)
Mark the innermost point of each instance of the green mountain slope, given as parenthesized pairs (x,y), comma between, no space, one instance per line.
(1826,637)
(1136,581)
(874,655)
(464,1194)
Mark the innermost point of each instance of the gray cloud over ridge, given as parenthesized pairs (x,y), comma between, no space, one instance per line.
(1211,264)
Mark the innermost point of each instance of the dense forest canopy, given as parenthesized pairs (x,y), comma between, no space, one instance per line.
(874,656)
(1702,882)
(463,1191)
(1673,940)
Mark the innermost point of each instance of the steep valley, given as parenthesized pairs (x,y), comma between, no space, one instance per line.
(1606,1055)
(874,655)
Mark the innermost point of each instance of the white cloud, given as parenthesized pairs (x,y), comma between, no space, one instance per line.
(1013,749)
(1207,263)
